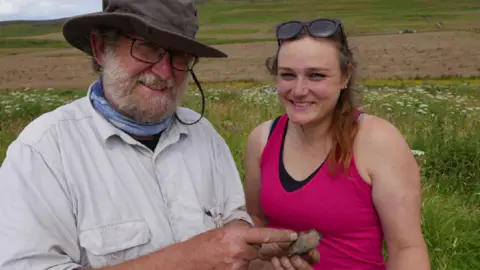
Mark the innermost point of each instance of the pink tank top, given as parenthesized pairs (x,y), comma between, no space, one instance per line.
(341,209)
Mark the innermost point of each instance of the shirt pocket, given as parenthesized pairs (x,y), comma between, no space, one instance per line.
(113,244)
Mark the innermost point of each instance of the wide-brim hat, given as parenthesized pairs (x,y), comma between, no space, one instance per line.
(173,24)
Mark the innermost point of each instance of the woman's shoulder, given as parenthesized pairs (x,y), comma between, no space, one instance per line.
(257,139)
(379,144)
(260,133)
(378,132)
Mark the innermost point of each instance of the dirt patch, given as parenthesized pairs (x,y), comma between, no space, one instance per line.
(384,56)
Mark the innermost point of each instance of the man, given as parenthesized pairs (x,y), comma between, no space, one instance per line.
(124,178)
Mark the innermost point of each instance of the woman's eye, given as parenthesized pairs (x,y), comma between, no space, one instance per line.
(317,76)
(287,75)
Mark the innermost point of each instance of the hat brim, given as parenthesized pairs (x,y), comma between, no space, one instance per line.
(76,32)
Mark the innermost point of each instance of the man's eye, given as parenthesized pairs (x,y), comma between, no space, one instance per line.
(149,45)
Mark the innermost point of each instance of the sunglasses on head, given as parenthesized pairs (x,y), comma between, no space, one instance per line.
(316,28)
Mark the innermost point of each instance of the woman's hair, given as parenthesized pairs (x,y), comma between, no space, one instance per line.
(344,125)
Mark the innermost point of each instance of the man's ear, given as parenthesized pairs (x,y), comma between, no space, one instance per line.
(98,48)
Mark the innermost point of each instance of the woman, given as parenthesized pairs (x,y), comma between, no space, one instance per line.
(324,165)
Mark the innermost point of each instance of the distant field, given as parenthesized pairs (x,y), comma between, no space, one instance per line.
(254,20)
(33,43)
(445,41)
(362,14)
(427,83)
(29,28)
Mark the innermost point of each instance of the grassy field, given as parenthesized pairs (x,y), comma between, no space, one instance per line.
(441,120)
(254,20)
(29,28)
(32,43)
(358,13)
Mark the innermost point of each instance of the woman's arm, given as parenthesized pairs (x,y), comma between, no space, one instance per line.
(255,143)
(396,188)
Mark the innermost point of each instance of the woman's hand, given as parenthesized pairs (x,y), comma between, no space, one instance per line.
(280,257)
(295,262)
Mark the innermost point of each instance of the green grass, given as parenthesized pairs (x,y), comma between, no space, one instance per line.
(360,12)
(32,43)
(29,28)
(219,41)
(234,31)
(219,17)
(442,120)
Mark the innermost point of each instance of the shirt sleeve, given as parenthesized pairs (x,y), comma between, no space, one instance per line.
(235,205)
(37,224)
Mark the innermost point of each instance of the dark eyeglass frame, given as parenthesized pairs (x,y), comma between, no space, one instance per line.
(311,27)
(160,57)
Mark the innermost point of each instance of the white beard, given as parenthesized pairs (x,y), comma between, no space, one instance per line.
(120,90)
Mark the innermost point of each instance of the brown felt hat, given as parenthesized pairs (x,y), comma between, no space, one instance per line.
(170,23)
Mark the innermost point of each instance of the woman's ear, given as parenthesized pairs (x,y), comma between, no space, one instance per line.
(346,77)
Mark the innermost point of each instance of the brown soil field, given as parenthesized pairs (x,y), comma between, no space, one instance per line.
(432,54)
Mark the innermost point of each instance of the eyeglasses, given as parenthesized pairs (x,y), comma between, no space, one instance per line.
(152,53)
(316,28)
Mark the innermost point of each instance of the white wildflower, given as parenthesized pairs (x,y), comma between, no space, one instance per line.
(418,152)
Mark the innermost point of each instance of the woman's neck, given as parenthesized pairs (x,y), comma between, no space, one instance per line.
(314,133)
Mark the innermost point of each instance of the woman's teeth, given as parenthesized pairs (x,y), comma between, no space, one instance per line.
(302,104)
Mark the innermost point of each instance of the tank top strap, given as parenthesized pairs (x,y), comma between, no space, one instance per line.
(274,141)
(278,125)
(359,114)
(273,124)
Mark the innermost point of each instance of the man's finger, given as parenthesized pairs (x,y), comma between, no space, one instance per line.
(284,246)
(269,235)
(269,250)
(251,253)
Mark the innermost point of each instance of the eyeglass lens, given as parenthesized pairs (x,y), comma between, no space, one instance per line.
(288,30)
(319,28)
(151,53)
(322,28)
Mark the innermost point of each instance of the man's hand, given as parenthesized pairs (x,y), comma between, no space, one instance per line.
(300,255)
(233,247)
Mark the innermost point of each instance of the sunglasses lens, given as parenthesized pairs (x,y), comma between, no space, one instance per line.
(288,30)
(322,28)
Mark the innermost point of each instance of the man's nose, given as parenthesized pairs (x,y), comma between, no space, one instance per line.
(163,68)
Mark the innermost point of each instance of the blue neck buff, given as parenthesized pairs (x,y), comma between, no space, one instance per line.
(126,124)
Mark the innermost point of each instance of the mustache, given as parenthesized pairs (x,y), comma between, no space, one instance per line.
(151,80)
